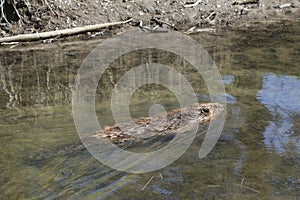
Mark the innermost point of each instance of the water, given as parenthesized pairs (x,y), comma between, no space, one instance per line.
(257,156)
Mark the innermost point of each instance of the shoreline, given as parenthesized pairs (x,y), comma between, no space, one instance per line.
(148,15)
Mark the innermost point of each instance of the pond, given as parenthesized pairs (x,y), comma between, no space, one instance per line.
(256,157)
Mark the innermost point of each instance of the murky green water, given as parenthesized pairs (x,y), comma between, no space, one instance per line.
(257,156)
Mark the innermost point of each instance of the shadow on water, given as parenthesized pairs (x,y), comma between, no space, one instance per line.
(257,155)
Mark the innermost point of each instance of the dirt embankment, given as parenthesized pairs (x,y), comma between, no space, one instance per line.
(28,16)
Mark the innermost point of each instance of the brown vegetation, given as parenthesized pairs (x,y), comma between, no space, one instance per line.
(32,16)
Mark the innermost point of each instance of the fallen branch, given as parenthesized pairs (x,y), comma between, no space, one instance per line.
(245,2)
(60,33)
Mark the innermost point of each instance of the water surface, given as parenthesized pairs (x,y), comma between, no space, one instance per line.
(257,156)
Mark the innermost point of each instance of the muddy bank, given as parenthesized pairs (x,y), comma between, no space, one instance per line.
(48,15)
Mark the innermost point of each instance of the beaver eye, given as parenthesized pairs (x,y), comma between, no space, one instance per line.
(204,110)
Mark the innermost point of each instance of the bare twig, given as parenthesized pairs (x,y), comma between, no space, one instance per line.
(51,10)
(13,46)
(161,176)
(286,5)
(154,28)
(199,30)
(17,12)
(166,23)
(253,190)
(147,29)
(248,188)
(211,15)
(147,183)
(2,13)
(193,4)
(98,34)
(10,43)
(241,185)
(245,2)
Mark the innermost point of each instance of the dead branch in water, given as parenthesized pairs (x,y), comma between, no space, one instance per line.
(60,33)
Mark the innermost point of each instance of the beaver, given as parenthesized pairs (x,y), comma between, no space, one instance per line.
(169,123)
